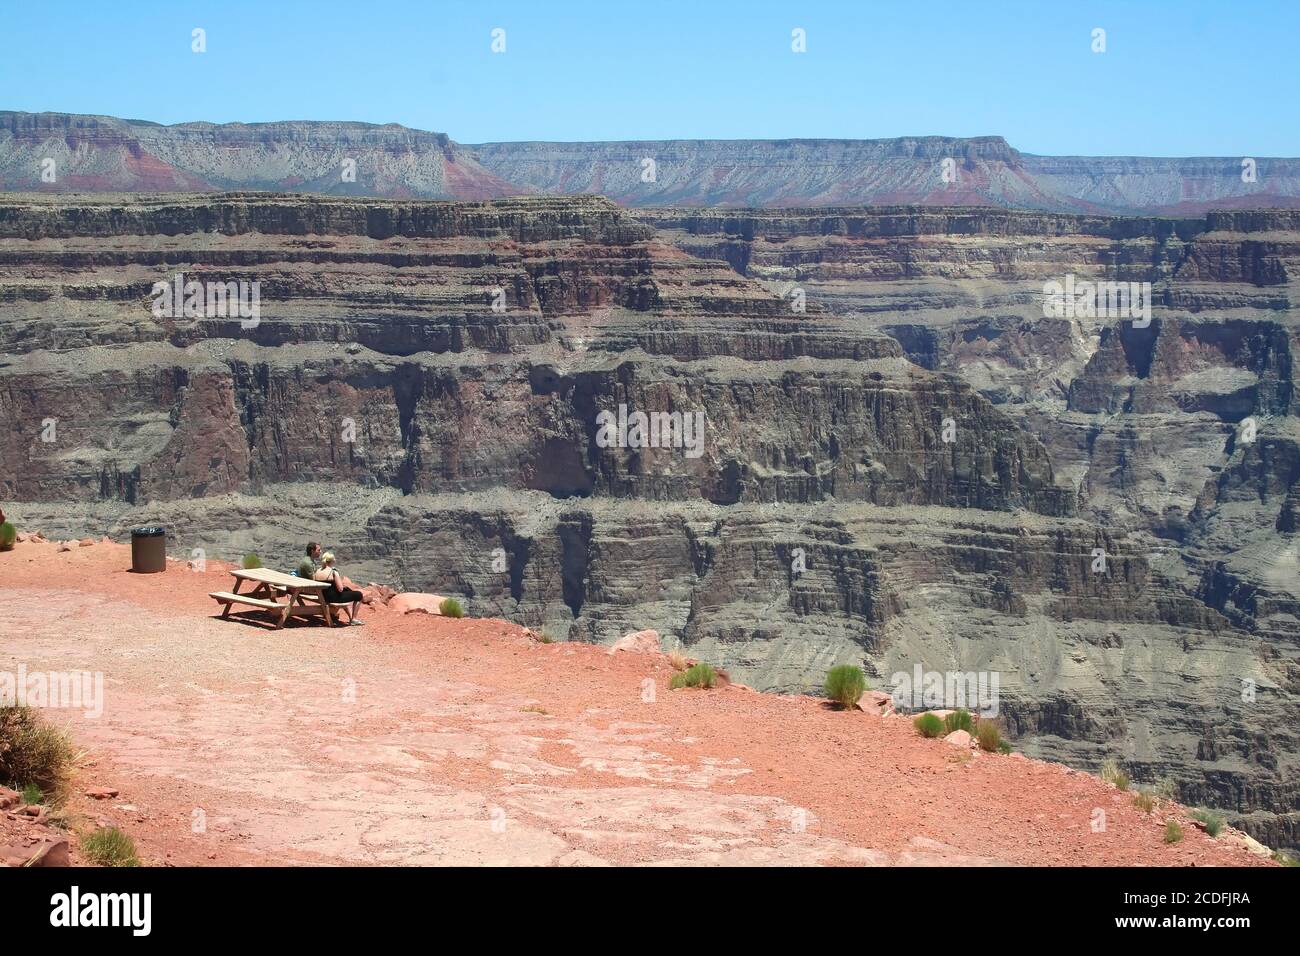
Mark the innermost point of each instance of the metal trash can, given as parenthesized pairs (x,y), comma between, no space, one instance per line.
(148,550)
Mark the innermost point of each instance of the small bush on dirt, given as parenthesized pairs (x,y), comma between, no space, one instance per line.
(845,685)
(928,724)
(1111,772)
(545,638)
(1285,858)
(8,535)
(1144,802)
(959,720)
(33,753)
(1173,832)
(109,846)
(1212,821)
(32,795)
(701,675)
(252,561)
(450,607)
(678,661)
(990,738)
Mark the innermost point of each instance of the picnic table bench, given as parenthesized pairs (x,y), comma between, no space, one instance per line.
(306,598)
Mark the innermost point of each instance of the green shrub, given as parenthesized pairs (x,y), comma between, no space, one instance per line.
(1173,832)
(1144,802)
(8,535)
(701,675)
(450,607)
(928,724)
(1111,772)
(990,738)
(33,753)
(109,846)
(252,561)
(1212,821)
(32,795)
(845,685)
(545,638)
(959,719)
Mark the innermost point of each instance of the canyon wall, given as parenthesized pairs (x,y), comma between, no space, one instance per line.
(903,461)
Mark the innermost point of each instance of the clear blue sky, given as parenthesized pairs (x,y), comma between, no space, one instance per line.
(1178,78)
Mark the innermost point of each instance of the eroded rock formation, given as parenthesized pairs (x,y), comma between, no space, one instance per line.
(917,468)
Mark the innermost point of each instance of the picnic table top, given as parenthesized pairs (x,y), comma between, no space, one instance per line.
(268,576)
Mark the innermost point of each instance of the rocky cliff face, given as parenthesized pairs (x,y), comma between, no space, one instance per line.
(899,460)
(925,170)
(63,153)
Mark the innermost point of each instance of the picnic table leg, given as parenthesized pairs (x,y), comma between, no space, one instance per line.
(288,607)
(326,612)
(225,611)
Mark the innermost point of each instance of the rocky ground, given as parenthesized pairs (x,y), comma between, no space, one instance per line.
(426,740)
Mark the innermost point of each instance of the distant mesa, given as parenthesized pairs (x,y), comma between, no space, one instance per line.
(65,152)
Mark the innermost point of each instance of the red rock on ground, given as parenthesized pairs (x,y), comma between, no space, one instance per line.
(639,642)
(413,602)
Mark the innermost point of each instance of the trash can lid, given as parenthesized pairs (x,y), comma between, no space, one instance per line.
(153,531)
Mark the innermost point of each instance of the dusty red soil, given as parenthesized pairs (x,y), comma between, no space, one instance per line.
(425,740)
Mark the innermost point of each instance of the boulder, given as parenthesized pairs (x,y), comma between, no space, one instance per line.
(85,543)
(413,602)
(377,593)
(101,793)
(958,738)
(9,798)
(65,546)
(639,642)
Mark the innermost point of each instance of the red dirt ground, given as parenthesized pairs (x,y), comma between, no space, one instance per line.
(424,740)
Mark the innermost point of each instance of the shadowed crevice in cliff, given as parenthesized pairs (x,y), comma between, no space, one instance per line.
(575,538)
(408,385)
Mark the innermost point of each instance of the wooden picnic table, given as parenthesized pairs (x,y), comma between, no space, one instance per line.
(306,598)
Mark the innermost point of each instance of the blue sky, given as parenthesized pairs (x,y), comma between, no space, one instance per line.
(1177,78)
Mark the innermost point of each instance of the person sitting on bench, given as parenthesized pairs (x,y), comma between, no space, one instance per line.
(339,591)
(309,565)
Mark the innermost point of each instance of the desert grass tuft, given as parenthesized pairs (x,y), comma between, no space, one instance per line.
(34,754)
(845,685)
(1112,773)
(700,675)
(959,719)
(928,724)
(1212,822)
(109,846)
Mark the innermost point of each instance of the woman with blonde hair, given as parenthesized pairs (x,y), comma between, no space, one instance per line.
(338,592)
